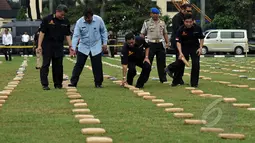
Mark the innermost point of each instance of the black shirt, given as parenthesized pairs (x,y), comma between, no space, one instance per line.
(134,54)
(36,36)
(112,40)
(177,21)
(189,37)
(55,29)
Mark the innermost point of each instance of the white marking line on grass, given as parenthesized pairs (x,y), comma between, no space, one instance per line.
(235,75)
(153,78)
(166,104)
(213,96)
(130,87)
(116,66)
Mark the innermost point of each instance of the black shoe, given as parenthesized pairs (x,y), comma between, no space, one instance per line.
(162,81)
(99,86)
(174,84)
(58,87)
(170,73)
(139,86)
(37,68)
(71,85)
(182,82)
(46,88)
(194,86)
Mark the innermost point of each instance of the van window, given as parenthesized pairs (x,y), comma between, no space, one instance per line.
(212,35)
(238,34)
(232,35)
(225,34)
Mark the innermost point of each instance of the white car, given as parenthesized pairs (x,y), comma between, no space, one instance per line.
(226,40)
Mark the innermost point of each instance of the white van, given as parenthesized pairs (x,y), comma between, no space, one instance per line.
(226,40)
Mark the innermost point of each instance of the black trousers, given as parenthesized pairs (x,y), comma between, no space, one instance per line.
(112,51)
(173,43)
(178,67)
(159,50)
(25,50)
(97,69)
(57,70)
(144,76)
(174,46)
(7,53)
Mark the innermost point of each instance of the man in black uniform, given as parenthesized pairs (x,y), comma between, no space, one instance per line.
(54,29)
(177,21)
(187,39)
(135,52)
(111,41)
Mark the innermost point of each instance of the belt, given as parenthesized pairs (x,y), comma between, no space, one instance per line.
(156,41)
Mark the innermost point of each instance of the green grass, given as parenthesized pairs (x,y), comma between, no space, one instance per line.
(33,115)
(8,70)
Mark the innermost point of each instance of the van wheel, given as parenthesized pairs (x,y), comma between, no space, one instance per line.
(239,50)
(204,50)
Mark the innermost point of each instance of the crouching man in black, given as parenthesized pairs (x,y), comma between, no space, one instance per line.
(134,53)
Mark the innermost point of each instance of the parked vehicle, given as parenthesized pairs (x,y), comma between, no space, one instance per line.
(251,43)
(226,40)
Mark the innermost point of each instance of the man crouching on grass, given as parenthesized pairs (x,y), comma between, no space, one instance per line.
(134,53)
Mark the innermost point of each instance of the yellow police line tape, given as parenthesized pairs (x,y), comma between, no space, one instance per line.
(21,47)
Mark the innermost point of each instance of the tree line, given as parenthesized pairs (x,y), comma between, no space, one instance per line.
(128,15)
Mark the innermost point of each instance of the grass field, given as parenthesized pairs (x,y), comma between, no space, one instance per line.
(33,115)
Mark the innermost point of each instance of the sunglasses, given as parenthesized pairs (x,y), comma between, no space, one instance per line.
(188,10)
(188,21)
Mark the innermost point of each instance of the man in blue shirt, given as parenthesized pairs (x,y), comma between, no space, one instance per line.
(91,32)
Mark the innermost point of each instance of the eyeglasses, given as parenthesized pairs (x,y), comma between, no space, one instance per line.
(188,10)
(188,21)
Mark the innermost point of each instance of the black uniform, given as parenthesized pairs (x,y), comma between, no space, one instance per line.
(189,39)
(36,38)
(134,56)
(112,41)
(7,53)
(52,48)
(159,50)
(25,50)
(177,21)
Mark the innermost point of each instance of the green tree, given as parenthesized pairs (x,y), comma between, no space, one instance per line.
(222,21)
(127,15)
(45,11)
(21,14)
(168,22)
(227,14)
(69,3)
(76,12)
